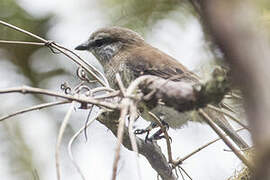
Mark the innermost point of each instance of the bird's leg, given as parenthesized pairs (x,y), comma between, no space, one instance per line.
(157,135)
(146,130)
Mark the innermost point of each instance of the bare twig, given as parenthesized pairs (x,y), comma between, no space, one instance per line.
(120,84)
(124,110)
(236,96)
(22,42)
(23,31)
(167,137)
(62,49)
(74,138)
(183,178)
(40,106)
(26,89)
(245,149)
(208,120)
(104,83)
(132,117)
(227,107)
(180,160)
(83,64)
(86,122)
(108,95)
(59,140)
(100,89)
(123,113)
(180,168)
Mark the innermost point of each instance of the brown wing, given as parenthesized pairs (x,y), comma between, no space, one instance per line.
(148,60)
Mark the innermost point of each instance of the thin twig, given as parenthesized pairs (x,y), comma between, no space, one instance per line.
(236,96)
(82,63)
(99,89)
(26,89)
(176,173)
(85,62)
(132,117)
(120,84)
(108,95)
(180,160)
(124,110)
(227,107)
(61,49)
(167,137)
(245,149)
(120,133)
(185,172)
(40,106)
(22,42)
(74,137)
(209,121)
(23,31)
(59,139)
(183,178)
(86,122)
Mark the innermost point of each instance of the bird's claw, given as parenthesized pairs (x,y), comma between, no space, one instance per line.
(156,136)
(140,131)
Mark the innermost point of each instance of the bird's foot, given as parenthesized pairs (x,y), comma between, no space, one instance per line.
(164,123)
(147,131)
(157,136)
(142,131)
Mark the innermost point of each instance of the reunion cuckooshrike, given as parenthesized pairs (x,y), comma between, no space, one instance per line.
(121,50)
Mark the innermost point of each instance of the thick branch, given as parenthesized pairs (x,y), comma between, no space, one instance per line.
(184,96)
(151,151)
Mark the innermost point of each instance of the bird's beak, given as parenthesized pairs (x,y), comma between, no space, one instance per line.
(83,46)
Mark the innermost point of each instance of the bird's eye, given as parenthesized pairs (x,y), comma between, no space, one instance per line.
(100,42)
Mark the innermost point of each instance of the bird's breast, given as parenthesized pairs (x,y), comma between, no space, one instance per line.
(118,66)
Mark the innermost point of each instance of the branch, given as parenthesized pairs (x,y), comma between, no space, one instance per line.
(181,160)
(73,138)
(226,141)
(151,151)
(185,96)
(59,139)
(40,106)
(52,45)
(31,90)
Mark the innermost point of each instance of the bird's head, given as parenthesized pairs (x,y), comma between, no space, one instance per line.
(105,43)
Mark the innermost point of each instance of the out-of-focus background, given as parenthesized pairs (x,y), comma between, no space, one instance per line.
(28,140)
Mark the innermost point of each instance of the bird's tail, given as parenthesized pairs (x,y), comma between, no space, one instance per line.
(222,122)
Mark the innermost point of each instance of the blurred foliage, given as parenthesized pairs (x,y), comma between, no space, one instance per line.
(140,15)
(12,13)
(264,9)
(15,149)
(18,154)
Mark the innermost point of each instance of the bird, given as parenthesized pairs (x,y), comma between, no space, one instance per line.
(124,51)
